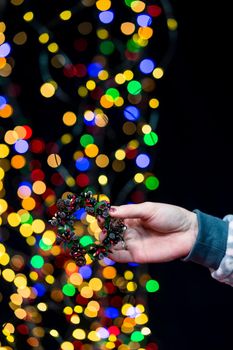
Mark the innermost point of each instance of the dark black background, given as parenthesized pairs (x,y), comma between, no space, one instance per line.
(192,310)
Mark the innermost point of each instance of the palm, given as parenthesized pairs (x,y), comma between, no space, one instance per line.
(157,237)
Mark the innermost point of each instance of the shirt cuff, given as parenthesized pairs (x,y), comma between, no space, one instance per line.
(210,246)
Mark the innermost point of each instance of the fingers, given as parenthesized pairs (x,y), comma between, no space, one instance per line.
(121,256)
(141,210)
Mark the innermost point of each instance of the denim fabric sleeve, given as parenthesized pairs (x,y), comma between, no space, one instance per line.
(210,246)
(224,273)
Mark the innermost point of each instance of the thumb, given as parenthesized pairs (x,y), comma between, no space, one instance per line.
(132,211)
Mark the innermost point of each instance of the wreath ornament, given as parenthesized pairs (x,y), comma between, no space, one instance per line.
(64,219)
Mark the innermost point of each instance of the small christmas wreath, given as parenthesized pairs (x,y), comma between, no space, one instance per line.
(64,219)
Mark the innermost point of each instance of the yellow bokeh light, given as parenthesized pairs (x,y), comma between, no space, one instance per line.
(66,138)
(120,78)
(8,328)
(28,16)
(86,292)
(102,33)
(76,279)
(54,333)
(146,129)
(4,150)
(39,187)
(75,319)
(101,120)
(2,62)
(2,27)
(145,33)
(8,275)
(2,173)
(28,203)
(78,309)
(54,160)
(38,226)
(128,74)
(70,181)
(44,38)
(172,23)
(68,310)
(53,47)
(138,6)
(103,5)
(16,299)
(120,154)
(106,101)
(7,110)
(95,284)
(103,75)
(18,161)
(102,161)
(13,219)
(33,275)
(65,15)
(2,38)
(128,275)
(131,286)
(119,101)
(127,28)
(2,249)
(49,237)
(50,279)
(94,336)
(91,150)
(26,230)
(103,180)
(66,345)
(79,334)
(158,72)
(154,103)
(3,206)
(109,272)
(47,90)
(90,85)
(20,281)
(11,137)
(69,118)
(82,91)
(141,319)
(4,259)
(139,178)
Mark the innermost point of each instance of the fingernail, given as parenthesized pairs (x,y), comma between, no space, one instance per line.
(112,210)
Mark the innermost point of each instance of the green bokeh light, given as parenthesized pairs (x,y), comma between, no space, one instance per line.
(68,289)
(152,183)
(134,87)
(86,240)
(44,246)
(128,2)
(137,336)
(37,261)
(132,46)
(113,93)
(86,139)
(107,47)
(152,286)
(26,218)
(150,139)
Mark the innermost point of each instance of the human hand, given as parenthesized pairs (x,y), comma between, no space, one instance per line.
(156,232)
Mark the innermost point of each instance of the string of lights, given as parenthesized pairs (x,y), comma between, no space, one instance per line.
(78,112)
